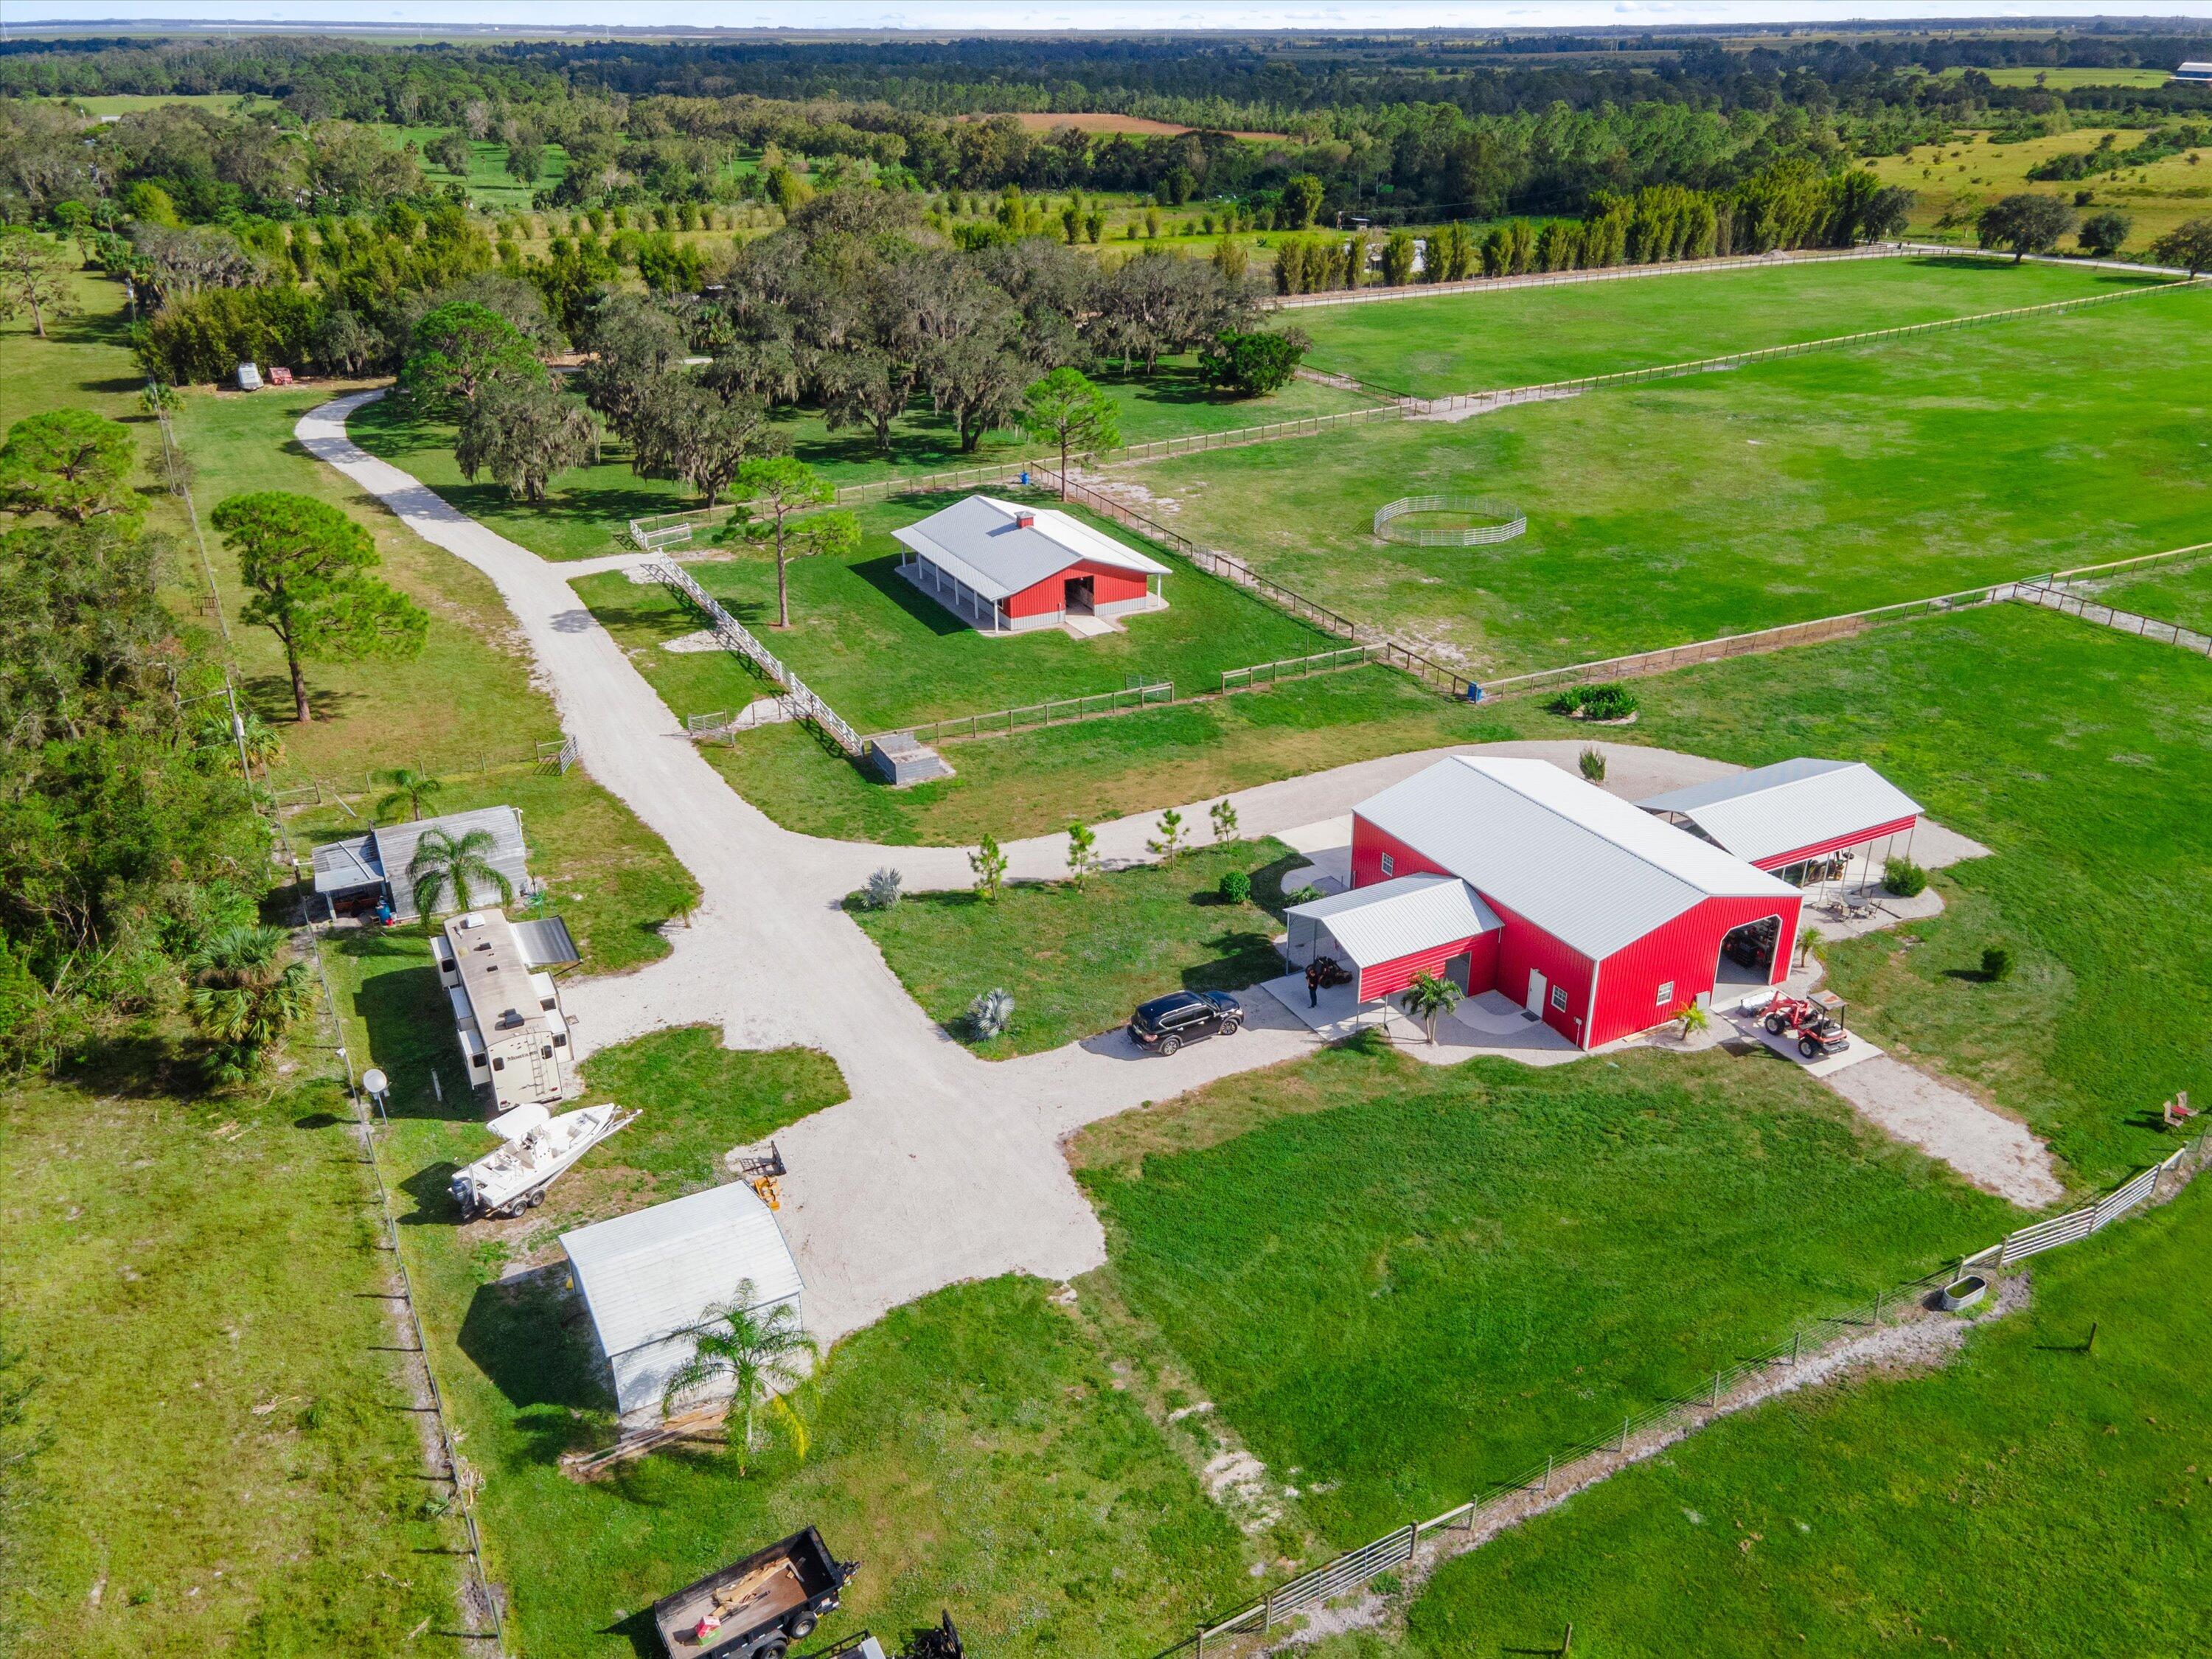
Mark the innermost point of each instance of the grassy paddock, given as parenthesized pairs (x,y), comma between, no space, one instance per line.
(2182,594)
(1434,348)
(1955,180)
(2032,1499)
(1078,961)
(886,654)
(1036,782)
(2079,757)
(1398,1282)
(1791,490)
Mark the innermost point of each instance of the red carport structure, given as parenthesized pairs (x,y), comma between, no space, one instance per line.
(1805,819)
(1609,920)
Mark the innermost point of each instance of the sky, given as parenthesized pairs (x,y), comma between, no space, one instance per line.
(989,15)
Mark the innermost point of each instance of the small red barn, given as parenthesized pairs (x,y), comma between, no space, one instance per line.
(1603,919)
(1009,569)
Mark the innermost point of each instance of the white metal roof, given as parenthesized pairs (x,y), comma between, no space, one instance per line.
(1392,919)
(1591,870)
(981,542)
(395,843)
(651,1277)
(1788,806)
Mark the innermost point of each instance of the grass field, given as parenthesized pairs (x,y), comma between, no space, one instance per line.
(2180,595)
(1434,348)
(1718,503)
(490,185)
(2079,757)
(886,654)
(1954,181)
(1078,961)
(1397,1282)
(587,512)
(1034,783)
(973,1449)
(2034,1499)
(2064,80)
(196,1289)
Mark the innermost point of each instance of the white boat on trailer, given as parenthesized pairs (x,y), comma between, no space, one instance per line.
(538,1149)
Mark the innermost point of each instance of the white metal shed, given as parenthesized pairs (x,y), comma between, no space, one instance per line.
(650,1278)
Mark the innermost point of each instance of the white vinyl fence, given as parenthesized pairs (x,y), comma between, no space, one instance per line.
(736,637)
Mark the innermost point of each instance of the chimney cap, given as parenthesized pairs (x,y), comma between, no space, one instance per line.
(1025,519)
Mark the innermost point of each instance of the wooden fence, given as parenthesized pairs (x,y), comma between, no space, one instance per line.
(1031,717)
(552,754)
(736,637)
(1351,1571)
(1295,668)
(2046,594)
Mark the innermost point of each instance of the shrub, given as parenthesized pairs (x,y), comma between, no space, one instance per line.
(882,892)
(1996,962)
(1593,765)
(1903,877)
(204,339)
(1305,895)
(1609,701)
(991,1013)
(1237,887)
(1251,365)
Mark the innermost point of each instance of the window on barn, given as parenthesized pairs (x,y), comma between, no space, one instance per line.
(1389,864)
(1560,998)
(1666,994)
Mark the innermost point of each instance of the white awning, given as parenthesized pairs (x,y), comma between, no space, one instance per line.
(1399,918)
(1790,806)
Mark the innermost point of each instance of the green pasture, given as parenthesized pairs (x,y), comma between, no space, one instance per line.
(2040,1496)
(2177,593)
(884,653)
(490,185)
(1460,342)
(1397,1283)
(1714,504)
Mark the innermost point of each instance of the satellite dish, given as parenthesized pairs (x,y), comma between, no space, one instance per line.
(375,1081)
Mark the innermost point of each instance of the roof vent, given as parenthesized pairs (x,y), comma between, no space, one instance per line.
(1024,520)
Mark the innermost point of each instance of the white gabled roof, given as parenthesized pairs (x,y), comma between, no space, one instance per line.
(1392,919)
(655,1273)
(981,542)
(1790,804)
(1593,871)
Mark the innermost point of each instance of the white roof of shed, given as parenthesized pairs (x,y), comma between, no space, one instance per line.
(653,1273)
(980,542)
(1591,870)
(1788,806)
(1398,918)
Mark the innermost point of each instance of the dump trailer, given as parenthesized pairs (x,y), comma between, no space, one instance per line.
(755,1608)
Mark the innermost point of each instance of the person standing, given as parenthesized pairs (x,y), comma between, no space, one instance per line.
(1313,984)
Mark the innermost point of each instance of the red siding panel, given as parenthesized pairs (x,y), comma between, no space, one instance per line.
(1686,952)
(1837,843)
(1386,979)
(1038,597)
(1109,585)
(1368,845)
(1524,946)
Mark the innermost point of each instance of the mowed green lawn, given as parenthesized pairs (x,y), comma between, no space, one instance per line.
(1398,1282)
(2034,1499)
(1076,960)
(1435,348)
(587,512)
(1721,503)
(2081,758)
(885,653)
(974,1449)
(2180,594)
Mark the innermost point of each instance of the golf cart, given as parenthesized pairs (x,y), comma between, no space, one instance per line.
(1816,1022)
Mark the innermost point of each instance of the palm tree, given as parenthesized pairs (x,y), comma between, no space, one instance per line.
(1430,997)
(245,994)
(410,788)
(757,1349)
(1809,936)
(1693,1018)
(450,867)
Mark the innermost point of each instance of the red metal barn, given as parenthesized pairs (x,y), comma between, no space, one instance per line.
(1007,569)
(1608,919)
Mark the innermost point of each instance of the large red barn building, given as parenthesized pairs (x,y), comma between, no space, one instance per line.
(1514,876)
(1008,568)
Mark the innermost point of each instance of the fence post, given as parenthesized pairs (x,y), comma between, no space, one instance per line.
(1624,1436)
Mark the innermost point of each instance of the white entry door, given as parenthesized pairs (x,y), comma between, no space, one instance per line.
(1536,989)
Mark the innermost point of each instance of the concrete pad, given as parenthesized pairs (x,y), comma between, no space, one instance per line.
(1327,835)
(1855,1047)
(1090,627)
(1990,1150)
(1338,1013)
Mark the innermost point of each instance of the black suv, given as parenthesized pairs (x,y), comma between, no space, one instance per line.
(1166,1024)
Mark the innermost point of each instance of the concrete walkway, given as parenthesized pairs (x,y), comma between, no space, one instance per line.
(942,1167)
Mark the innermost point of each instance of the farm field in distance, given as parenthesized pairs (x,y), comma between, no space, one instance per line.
(1479,342)
(1954,181)
(1714,504)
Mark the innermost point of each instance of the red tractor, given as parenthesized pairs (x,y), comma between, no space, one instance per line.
(1817,1022)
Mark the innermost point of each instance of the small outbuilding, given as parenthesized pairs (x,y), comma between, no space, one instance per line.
(1392,932)
(355,874)
(650,1280)
(1800,818)
(1004,567)
(900,758)
(2194,74)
